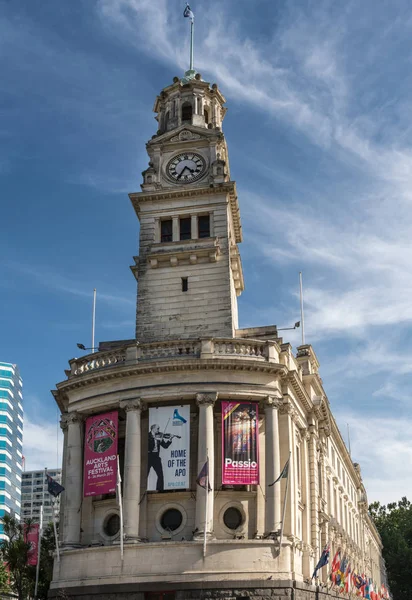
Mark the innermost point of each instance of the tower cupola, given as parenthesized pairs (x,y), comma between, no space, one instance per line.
(189,102)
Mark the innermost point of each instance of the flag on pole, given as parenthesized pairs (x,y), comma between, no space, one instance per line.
(53,487)
(203,477)
(284,473)
(324,559)
(188,13)
(335,566)
(348,580)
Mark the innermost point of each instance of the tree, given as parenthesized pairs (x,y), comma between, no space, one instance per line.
(394,523)
(14,550)
(48,546)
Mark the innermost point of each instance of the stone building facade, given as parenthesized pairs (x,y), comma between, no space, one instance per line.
(190,353)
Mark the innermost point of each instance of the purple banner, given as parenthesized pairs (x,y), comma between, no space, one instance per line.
(240,443)
(100,454)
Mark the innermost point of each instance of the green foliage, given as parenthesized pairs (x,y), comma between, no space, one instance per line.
(394,523)
(14,550)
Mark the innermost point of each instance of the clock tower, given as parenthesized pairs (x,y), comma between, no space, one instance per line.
(188,270)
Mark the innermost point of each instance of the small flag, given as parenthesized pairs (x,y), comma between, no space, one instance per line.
(203,477)
(335,566)
(53,487)
(188,13)
(324,559)
(284,473)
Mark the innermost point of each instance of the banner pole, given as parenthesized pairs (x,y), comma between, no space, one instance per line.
(284,506)
(38,552)
(206,506)
(55,533)
(119,495)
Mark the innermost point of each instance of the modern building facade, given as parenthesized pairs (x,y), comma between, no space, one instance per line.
(11,440)
(195,394)
(34,494)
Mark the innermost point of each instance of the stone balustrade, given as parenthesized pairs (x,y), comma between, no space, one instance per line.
(209,349)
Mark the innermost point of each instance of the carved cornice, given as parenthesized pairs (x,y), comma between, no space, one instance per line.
(206,399)
(189,364)
(133,404)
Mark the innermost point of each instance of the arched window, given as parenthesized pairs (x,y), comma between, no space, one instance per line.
(206,114)
(187,111)
(167,115)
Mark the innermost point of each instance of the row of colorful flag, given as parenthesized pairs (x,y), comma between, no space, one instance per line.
(343,577)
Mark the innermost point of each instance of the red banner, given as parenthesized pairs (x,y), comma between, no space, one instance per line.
(240,443)
(32,538)
(100,454)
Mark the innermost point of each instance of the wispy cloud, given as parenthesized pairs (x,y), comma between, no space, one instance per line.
(42,445)
(46,276)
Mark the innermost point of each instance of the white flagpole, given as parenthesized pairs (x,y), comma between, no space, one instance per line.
(206,507)
(93,318)
(38,552)
(119,496)
(284,505)
(302,320)
(55,533)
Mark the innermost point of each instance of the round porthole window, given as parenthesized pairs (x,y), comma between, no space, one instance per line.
(232,518)
(112,525)
(171,519)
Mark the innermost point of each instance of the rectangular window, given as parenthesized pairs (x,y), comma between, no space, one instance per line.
(204,226)
(166,230)
(320,486)
(298,466)
(185,284)
(186,228)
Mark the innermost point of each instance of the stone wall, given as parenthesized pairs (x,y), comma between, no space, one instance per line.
(267,590)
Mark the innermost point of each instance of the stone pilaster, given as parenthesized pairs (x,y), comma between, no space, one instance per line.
(205,450)
(73,480)
(314,489)
(132,468)
(272,465)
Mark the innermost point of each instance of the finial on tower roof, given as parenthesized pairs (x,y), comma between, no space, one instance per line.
(191,73)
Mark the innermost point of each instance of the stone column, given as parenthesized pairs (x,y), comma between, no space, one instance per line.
(205,449)
(73,480)
(194,228)
(132,468)
(272,465)
(64,427)
(175,230)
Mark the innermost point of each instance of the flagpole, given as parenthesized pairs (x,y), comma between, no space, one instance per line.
(206,506)
(38,552)
(302,320)
(284,507)
(93,318)
(55,533)
(119,495)
(192,26)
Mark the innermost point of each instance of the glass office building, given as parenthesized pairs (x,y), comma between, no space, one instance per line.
(11,440)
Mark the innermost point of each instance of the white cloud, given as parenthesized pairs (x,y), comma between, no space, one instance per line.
(383,447)
(40,445)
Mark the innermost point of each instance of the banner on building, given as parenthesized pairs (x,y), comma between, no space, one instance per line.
(100,454)
(31,536)
(168,466)
(240,443)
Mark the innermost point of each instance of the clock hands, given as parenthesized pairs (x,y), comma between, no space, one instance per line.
(183,170)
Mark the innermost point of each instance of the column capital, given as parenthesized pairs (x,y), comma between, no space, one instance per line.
(132,404)
(206,399)
(64,422)
(73,417)
(272,402)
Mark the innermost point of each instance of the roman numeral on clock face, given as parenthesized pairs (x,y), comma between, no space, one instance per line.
(186,167)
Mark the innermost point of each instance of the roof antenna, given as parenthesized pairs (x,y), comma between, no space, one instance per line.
(302,321)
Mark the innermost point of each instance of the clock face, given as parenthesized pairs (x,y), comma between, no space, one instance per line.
(186,167)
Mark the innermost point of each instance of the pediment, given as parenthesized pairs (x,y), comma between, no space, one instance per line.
(185,133)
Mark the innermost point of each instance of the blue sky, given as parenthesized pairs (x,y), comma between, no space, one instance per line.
(320,141)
